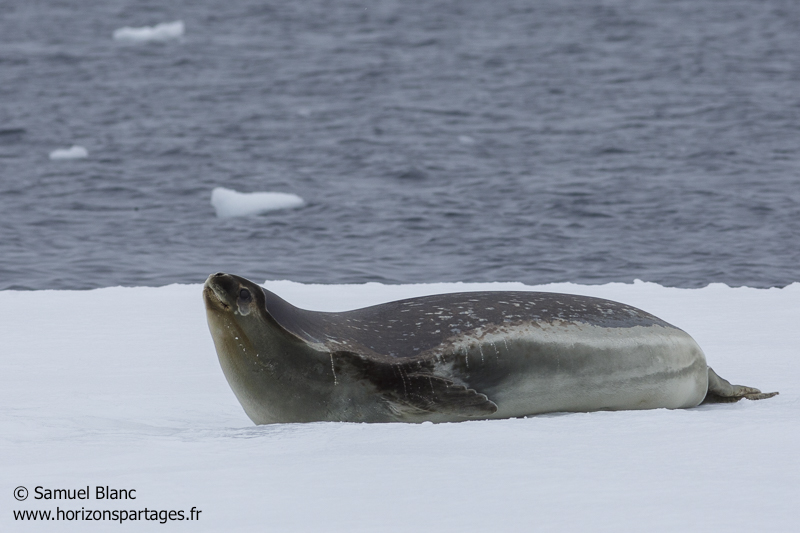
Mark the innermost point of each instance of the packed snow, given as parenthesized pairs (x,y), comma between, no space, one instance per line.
(160,32)
(229,203)
(121,387)
(74,152)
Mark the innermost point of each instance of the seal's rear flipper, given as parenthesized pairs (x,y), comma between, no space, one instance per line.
(721,391)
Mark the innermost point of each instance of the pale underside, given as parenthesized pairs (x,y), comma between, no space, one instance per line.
(534,368)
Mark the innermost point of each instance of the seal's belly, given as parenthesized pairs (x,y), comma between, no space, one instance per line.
(539,368)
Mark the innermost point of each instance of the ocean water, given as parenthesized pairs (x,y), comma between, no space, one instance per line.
(539,142)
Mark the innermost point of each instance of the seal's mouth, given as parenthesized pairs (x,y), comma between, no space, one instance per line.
(215,294)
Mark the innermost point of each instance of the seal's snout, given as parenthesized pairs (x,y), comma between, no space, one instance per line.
(220,290)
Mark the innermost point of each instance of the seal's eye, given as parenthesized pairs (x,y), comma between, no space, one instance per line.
(244,295)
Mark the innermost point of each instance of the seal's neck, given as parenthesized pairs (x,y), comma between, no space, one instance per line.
(276,376)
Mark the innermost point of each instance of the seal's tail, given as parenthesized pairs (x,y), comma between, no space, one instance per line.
(720,391)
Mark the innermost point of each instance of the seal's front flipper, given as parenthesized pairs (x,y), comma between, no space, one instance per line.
(720,391)
(433,394)
(416,395)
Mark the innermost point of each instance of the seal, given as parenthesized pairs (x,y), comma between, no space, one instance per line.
(452,357)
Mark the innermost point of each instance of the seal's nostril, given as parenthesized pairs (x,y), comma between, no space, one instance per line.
(219,274)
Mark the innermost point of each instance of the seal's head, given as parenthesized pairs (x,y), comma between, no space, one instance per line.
(225,293)
(238,319)
(243,333)
(271,370)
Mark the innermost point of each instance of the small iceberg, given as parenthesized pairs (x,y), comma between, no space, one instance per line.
(76,152)
(229,203)
(160,32)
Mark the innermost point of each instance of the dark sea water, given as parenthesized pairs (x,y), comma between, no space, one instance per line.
(534,141)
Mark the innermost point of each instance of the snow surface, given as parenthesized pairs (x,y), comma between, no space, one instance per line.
(160,32)
(229,203)
(75,152)
(121,387)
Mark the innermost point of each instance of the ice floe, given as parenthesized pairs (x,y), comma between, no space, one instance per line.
(75,152)
(160,32)
(122,387)
(229,203)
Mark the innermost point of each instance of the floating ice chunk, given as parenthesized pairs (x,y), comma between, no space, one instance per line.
(160,32)
(230,203)
(76,152)
(466,139)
